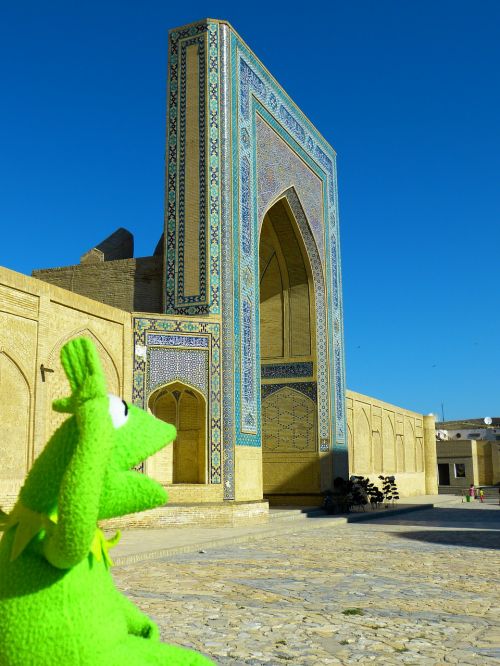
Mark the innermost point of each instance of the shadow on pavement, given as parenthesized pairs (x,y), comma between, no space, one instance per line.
(470,518)
(461,538)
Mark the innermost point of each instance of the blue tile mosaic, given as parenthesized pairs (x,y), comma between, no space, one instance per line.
(307,388)
(163,364)
(177,340)
(258,147)
(206,36)
(255,91)
(284,370)
(189,366)
(281,168)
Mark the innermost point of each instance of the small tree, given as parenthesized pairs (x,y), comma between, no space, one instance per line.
(389,489)
(376,495)
(369,490)
(358,491)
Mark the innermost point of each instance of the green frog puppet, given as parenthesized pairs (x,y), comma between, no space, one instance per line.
(58,603)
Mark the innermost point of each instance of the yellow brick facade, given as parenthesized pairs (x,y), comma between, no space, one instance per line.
(388,440)
(38,318)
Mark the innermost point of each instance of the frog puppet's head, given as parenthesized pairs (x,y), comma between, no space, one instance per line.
(85,472)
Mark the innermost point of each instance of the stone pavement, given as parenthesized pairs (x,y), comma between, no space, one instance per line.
(413,588)
(151,543)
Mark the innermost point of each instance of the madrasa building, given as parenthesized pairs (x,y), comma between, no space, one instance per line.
(232,329)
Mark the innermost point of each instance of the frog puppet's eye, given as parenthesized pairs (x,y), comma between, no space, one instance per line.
(118,409)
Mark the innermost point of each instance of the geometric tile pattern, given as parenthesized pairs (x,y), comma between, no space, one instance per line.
(307,388)
(323,364)
(227,263)
(249,380)
(278,370)
(201,297)
(278,169)
(289,420)
(177,340)
(239,95)
(206,36)
(246,299)
(254,92)
(156,365)
(171,364)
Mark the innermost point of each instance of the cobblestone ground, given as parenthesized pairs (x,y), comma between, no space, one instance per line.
(419,589)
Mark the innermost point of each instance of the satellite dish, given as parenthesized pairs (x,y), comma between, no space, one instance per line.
(488,420)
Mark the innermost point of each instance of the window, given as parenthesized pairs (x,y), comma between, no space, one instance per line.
(460,470)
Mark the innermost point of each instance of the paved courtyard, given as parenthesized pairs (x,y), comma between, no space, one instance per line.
(419,588)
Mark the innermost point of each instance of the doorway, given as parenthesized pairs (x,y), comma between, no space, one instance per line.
(288,358)
(184,407)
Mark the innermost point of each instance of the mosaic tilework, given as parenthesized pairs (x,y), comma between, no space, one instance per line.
(184,365)
(241,96)
(182,299)
(228,424)
(324,419)
(208,300)
(279,370)
(248,385)
(198,367)
(254,91)
(324,445)
(246,222)
(284,433)
(307,388)
(247,371)
(279,169)
(177,340)
(338,332)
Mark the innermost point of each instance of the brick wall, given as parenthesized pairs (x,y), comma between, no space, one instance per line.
(127,284)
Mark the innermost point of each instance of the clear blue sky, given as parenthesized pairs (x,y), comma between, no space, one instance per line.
(407,92)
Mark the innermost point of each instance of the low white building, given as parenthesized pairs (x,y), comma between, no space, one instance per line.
(468,452)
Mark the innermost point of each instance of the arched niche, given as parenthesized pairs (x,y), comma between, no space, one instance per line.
(377,452)
(287,328)
(400,453)
(57,385)
(420,454)
(389,444)
(290,287)
(15,419)
(409,440)
(186,460)
(350,445)
(362,441)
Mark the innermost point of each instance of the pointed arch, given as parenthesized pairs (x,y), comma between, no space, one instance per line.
(363,463)
(109,365)
(400,453)
(377,452)
(420,454)
(15,418)
(56,384)
(295,210)
(409,443)
(389,444)
(293,339)
(184,406)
